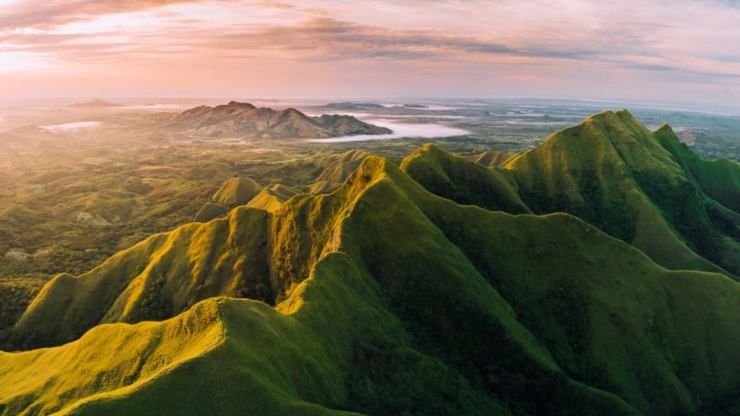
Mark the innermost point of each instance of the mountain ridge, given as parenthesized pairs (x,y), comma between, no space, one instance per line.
(557,316)
(613,172)
(244,120)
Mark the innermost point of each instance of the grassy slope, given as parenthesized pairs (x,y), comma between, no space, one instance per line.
(15,296)
(720,179)
(271,198)
(336,169)
(612,172)
(155,279)
(223,356)
(236,191)
(493,158)
(463,312)
(462,180)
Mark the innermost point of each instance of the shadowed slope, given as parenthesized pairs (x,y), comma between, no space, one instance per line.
(720,179)
(462,180)
(612,172)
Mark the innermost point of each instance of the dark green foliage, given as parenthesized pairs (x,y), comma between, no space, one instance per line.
(400,380)
(462,180)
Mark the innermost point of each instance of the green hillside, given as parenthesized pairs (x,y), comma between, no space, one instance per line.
(494,158)
(336,168)
(614,173)
(719,179)
(236,191)
(463,181)
(388,300)
(271,198)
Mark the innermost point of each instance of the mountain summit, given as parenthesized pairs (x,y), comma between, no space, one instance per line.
(244,120)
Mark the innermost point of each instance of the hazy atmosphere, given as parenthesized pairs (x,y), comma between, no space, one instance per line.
(369,208)
(662,51)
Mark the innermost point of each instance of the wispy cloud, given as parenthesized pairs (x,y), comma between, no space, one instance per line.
(50,13)
(560,42)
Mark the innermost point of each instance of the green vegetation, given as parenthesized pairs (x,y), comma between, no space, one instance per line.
(234,192)
(271,198)
(408,290)
(494,158)
(464,311)
(719,179)
(67,210)
(612,172)
(463,181)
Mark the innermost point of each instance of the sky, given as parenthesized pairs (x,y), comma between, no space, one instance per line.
(685,51)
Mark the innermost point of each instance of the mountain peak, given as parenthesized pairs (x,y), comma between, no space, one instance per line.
(244,120)
(240,105)
(95,103)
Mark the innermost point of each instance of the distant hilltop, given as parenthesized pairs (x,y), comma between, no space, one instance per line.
(244,120)
(348,105)
(95,103)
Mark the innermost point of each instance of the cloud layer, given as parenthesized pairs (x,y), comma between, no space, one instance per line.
(673,50)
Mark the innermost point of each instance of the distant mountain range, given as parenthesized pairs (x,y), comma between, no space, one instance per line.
(244,120)
(595,274)
(350,106)
(98,103)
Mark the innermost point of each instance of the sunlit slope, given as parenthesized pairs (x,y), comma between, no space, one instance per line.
(271,198)
(157,278)
(106,358)
(222,356)
(612,172)
(493,158)
(462,180)
(433,308)
(234,192)
(336,169)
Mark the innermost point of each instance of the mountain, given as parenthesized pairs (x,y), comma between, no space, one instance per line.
(271,198)
(235,191)
(494,158)
(380,298)
(247,121)
(352,106)
(98,103)
(719,179)
(336,169)
(463,181)
(614,173)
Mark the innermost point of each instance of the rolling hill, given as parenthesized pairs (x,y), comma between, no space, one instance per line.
(96,103)
(463,181)
(234,192)
(243,120)
(380,298)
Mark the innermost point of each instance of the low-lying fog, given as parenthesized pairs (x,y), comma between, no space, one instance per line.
(72,127)
(400,130)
